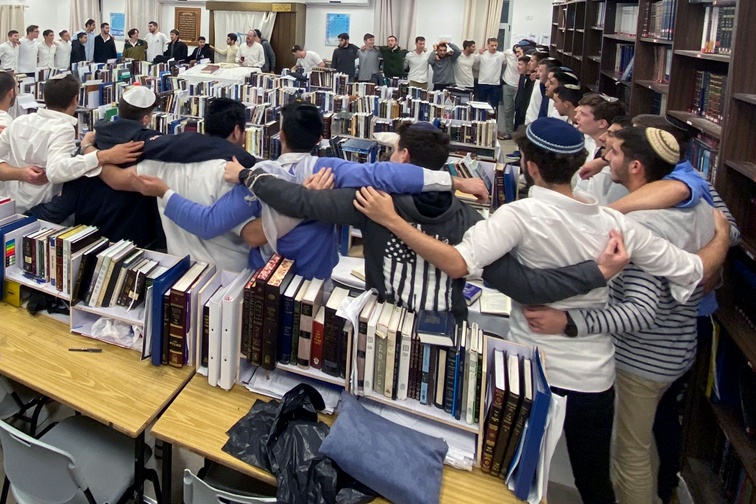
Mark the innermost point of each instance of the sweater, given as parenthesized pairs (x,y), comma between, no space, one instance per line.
(270,57)
(393,60)
(104,49)
(343,59)
(137,51)
(443,69)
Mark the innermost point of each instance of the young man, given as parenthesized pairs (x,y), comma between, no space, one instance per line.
(466,66)
(511,78)
(63,52)
(539,105)
(393,58)
(104,45)
(307,59)
(313,245)
(89,30)
(7,97)
(157,41)
(489,75)
(270,55)
(118,214)
(441,60)
(79,48)
(369,56)
(231,49)
(46,50)
(580,368)
(395,271)
(344,56)
(654,335)
(28,51)
(524,90)
(9,52)
(177,49)
(566,100)
(417,64)
(251,54)
(47,140)
(202,51)
(134,47)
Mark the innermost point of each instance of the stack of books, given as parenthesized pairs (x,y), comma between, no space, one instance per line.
(719,23)
(708,91)
(626,19)
(659,20)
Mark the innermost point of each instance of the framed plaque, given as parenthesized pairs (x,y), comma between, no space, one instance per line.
(187,22)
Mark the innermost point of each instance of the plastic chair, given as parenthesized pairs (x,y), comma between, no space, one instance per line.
(79,460)
(16,400)
(197,491)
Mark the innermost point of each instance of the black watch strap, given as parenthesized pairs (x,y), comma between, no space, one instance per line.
(244,175)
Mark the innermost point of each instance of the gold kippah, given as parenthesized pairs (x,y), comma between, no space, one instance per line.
(664,144)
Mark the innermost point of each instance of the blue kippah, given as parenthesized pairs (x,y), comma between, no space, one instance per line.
(424,125)
(554,135)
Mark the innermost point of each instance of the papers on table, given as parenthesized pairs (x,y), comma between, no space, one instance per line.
(277,383)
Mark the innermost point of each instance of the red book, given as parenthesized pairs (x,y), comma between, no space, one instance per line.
(318,335)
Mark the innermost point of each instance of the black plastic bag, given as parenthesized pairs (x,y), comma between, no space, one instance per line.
(284,439)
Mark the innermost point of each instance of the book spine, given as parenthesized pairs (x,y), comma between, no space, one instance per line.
(51,259)
(258,314)
(459,381)
(505,429)
(345,335)
(166,328)
(58,263)
(405,348)
(270,327)
(246,328)
(316,349)
(295,332)
(304,350)
(478,391)
(128,286)
(64,282)
(177,329)
(27,245)
(426,374)
(287,331)
(439,376)
(330,343)
(205,344)
(413,368)
(388,380)
(381,347)
(492,428)
(471,364)
(361,355)
(522,416)
(450,380)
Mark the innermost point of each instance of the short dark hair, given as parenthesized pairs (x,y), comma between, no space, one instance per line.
(391,36)
(129,111)
(222,115)
(467,43)
(624,121)
(419,39)
(178,34)
(367,36)
(152,23)
(549,63)
(80,36)
(103,25)
(442,44)
(89,22)
(302,126)
(492,39)
(428,147)
(258,33)
(569,95)
(201,38)
(538,55)
(554,168)
(608,110)
(296,48)
(233,36)
(132,32)
(344,36)
(31,28)
(60,92)
(12,32)
(660,122)
(524,59)
(7,82)
(636,146)
(47,32)
(62,32)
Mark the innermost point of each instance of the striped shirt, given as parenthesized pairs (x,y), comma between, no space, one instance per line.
(654,335)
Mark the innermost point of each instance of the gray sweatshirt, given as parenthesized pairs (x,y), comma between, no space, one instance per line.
(443,69)
(368,63)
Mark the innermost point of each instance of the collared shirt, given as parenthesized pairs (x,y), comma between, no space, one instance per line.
(203,183)
(310,61)
(89,46)
(63,54)
(418,66)
(551,230)
(46,55)
(254,55)
(157,43)
(45,139)
(5,118)
(490,68)
(536,100)
(27,56)
(229,52)
(9,55)
(464,69)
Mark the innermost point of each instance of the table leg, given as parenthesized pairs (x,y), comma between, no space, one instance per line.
(167,471)
(139,470)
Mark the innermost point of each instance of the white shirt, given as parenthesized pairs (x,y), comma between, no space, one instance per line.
(5,118)
(45,139)
(463,70)
(418,66)
(46,55)
(511,74)
(27,56)
(490,68)
(8,55)
(63,54)
(157,43)
(254,55)
(310,61)
(550,230)
(534,107)
(202,183)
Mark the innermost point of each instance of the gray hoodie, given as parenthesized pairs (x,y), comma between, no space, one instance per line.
(443,69)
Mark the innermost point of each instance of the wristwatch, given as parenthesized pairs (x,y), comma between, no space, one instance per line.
(570,329)
(244,175)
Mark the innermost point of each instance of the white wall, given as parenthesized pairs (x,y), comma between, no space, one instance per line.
(360,23)
(48,14)
(531,17)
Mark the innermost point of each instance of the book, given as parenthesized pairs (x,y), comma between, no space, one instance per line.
(405,345)
(493,416)
(459,372)
(393,351)
(215,306)
(86,269)
(230,354)
(471,293)
(110,280)
(297,319)
(381,346)
(425,379)
(334,326)
(509,412)
(287,320)
(311,302)
(274,288)
(471,366)
(495,303)
(318,329)
(370,347)
(435,328)
(526,391)
(258,309)
(362,342)
(160,286)
(121,271)
(179,314)
(439,364)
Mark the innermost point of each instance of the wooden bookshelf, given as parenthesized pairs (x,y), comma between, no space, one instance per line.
(697,122)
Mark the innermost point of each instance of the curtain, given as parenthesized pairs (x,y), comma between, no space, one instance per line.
(481,20)
(12,18)
(397,18)
(240,23)
(140,12)
(81,10)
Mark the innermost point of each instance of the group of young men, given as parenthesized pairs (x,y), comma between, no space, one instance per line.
(609,330)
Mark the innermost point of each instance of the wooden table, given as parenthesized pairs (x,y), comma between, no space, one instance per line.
(113,387)
(200,416)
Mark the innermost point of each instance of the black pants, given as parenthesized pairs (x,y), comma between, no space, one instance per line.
(588,432)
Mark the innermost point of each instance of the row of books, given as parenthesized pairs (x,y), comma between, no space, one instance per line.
(659,20)
(479,133)
(323,77)
(600,15)
(736,483)
(703,154)
(662,63)
(259,139)
(719,22)
(708,92)
(626,19)
(624,61)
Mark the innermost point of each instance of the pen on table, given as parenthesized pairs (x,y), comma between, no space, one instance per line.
(91,350)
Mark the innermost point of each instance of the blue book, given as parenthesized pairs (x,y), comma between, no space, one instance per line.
(426,374)
(160,286)
(435,328)
(287,320)
(471,293)
(12,250)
